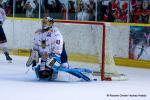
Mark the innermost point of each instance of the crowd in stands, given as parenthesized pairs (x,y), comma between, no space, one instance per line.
(135,11)
(116,11)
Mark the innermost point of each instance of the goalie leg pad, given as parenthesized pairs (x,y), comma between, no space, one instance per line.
(80,73)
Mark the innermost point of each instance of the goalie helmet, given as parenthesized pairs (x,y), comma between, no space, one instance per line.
(47,73)
(47,22)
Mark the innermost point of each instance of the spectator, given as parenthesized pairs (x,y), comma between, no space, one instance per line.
(43,6)
(109,15)
(19,7)
(54,9)
(58,6)
(71,14)
(145,12)
(36,10)
(64,11)
(29,7)
(101,10)
(136,11)
(124,12)
(8,7)
(83,14)
(91,10)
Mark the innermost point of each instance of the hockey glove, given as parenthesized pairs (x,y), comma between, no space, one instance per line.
(33,58)
(53,61)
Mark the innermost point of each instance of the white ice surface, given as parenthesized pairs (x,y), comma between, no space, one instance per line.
(16,85)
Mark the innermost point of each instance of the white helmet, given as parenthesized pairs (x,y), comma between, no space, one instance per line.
(47,22)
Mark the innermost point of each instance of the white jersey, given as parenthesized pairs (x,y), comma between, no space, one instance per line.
(2,15)
(53,41)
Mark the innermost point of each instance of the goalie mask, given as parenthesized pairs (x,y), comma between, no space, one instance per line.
(47,73)
(47,23)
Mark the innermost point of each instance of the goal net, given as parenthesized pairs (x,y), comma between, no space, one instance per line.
(89,45)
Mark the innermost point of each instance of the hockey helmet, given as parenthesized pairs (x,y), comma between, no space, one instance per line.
(47,22)
(47,73)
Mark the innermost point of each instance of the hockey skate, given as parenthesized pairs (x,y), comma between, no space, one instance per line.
(8,58)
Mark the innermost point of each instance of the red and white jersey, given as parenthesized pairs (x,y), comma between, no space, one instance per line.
(52,38)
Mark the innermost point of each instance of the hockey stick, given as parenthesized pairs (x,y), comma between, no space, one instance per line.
(27,70)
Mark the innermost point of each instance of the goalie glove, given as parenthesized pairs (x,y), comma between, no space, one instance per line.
(53,61)
(33,58)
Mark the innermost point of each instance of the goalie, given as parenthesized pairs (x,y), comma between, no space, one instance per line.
(49,47)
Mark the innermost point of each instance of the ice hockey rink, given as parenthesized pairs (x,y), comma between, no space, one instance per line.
(15,84)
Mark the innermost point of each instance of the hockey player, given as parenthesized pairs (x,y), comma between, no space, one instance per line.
(3,39)
(48,45)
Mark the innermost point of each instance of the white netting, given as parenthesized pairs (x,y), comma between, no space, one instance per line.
(84,43)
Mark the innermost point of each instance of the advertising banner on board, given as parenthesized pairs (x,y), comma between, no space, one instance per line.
(139,42)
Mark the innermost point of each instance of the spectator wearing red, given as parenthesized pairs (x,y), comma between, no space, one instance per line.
(136,12)
(145,12)
(124,12)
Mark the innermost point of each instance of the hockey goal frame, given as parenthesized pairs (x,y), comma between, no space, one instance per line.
(102,69)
